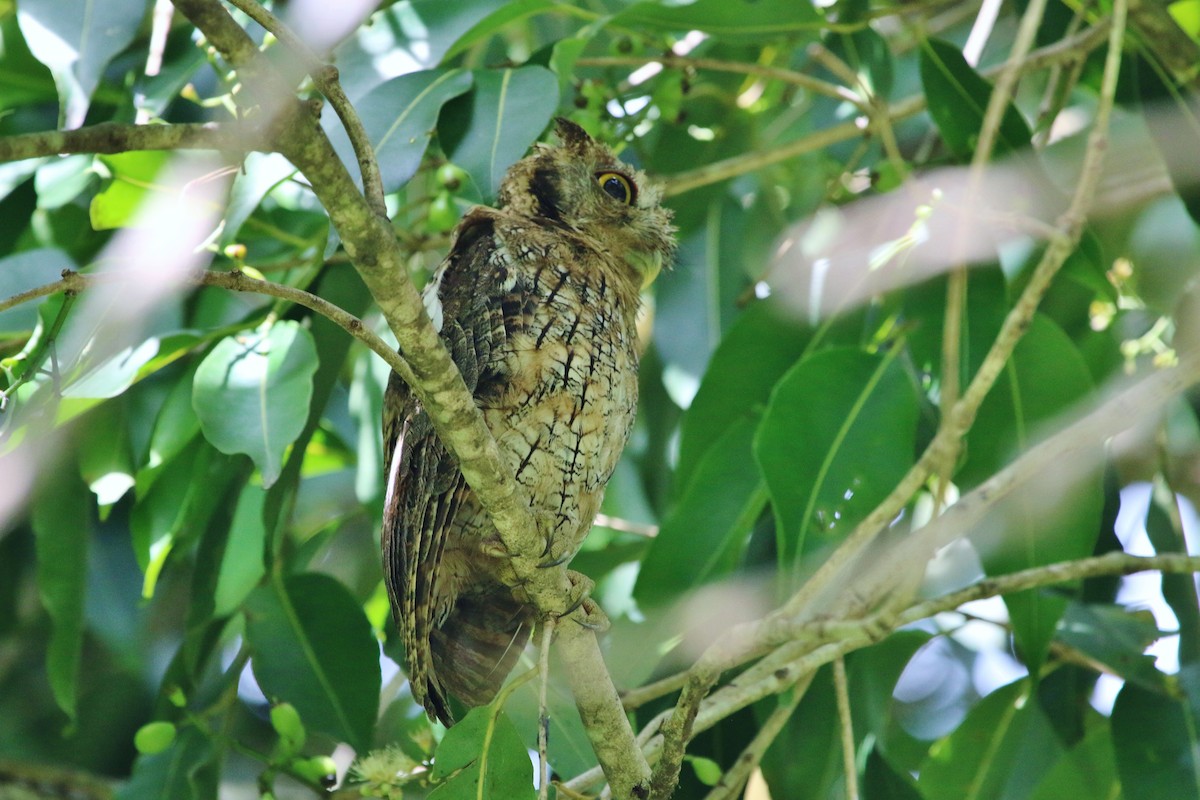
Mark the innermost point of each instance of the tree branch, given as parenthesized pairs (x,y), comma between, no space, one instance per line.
(114,137)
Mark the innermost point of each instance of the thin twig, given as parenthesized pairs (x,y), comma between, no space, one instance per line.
(841,690)
(234,281)
(788,76)
(1065,50)
(735,778)
(543,735)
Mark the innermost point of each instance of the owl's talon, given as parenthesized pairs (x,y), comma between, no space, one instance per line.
(594,617)
(560,560)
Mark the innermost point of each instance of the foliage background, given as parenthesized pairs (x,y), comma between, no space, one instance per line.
(192,482)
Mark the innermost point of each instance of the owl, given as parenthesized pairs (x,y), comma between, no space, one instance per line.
(537,303)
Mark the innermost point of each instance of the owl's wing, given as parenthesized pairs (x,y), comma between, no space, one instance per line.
(425,489)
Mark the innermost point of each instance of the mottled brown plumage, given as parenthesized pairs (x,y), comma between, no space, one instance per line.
(537,302)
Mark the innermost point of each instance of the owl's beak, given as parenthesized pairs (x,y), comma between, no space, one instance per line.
(648,265)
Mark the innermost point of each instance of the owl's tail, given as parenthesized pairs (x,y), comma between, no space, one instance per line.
(476,648)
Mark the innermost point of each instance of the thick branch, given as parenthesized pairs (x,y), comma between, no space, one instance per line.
(113,137)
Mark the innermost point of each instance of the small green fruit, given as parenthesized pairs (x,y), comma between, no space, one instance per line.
(154,737)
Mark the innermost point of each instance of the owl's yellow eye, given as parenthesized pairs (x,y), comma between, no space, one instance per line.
(616,186)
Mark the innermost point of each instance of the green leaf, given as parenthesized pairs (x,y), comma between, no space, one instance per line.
(312,646)
(882,782)
(427,29)
(133,180)
(1002,749)
(762,344)
(1156,744)
(824,414)
(702,538)
(242,564)
(62,522)
(112,375)
(106,454)
(260,173)
(1052,520)
(76,39)
(958,99)
(1115,637)
(504,14)
(811,731)
(22,272)
(729,19)
(400,116)
(482,756)
(252,393)
(176,773)
(1086,770)
(491,127)
(61,180)
(24,81)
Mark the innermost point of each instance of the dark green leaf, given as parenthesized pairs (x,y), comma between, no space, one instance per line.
(702,539)
(760,346)
(76,39)
(1087,770)
(882,782)
(494,124)
(824,415)
(1056,519)
(958,99)
(1115,637)
(62,521)
(482,756)
(312,646)
(242,564)
(504,14)
(1001,750)
(729,19)
(23,79)
(252,393)
(400,117)
(805,760)
(1156,744)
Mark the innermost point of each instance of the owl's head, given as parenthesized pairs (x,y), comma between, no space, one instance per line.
(580,186)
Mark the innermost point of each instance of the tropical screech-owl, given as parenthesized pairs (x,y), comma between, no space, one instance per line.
(537,302)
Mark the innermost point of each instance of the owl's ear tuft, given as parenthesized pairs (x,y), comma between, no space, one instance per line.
(571,134)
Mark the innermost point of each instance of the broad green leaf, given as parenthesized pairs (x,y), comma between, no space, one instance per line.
(867,53)
(1115,637)
(958,99)
(20,273)
(873,673)
(504,14)
(106,454)
(24,80)
(761,346)
(76,39)
(62,522)
(312,646)
(812,732)
(133,181)
(493,125)
(825,414)
(61,180)
(427,29)
(702,539)
(729,19)
(111,376)
(1048,521)
(174,428)
(260,173)
(176,506)
(482,756)
(252,393)
(177,773)
(882,782)
(242,562)
(1001,750)
(1086,770)
(1156,744)
(924,307)
(400,116)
